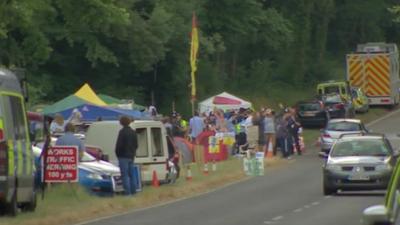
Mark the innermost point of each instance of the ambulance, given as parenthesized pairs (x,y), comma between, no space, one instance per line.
(17,169)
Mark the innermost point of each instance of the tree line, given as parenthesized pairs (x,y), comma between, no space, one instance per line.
(140,48)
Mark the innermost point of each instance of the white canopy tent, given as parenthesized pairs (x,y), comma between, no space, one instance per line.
(224,101)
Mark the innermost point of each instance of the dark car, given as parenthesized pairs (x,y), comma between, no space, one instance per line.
(312,113)
(337,106)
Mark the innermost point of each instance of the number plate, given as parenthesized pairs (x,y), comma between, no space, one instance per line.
(309,114)
(118,183)
(358,177)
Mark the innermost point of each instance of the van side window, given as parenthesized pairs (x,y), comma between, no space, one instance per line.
(18,118)
(157,142)
(142,150)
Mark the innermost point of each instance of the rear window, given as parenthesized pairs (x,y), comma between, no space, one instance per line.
(343,126)
(361,148)
(142,150)
(332,98)
(309,107)
(331,89)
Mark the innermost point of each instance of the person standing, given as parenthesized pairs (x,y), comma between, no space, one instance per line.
(269,129)
(294,127)
(125,150)
(196,126)
(69,139)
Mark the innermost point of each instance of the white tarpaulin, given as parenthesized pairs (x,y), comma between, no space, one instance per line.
(210,103)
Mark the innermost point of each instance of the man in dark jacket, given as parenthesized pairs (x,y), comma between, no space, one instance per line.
(125,150)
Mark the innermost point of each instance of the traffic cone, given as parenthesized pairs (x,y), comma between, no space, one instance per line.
(269,153)
(189,174)
(155,181)
(205,169)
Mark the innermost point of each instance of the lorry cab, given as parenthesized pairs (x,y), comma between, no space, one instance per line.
(152,152)
(16,157)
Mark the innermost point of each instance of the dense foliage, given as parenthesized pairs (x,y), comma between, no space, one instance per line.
(140,48)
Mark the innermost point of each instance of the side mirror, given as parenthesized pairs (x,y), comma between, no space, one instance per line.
(323,155)
(375,215)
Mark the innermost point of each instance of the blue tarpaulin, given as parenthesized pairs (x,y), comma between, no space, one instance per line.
(92,112)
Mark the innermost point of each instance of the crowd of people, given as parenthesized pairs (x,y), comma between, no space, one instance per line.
(276,130)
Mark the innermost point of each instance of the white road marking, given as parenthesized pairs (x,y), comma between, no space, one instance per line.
(328,196)
(307,206)
(298,210)
(315,203)
(382,118)
(277,218)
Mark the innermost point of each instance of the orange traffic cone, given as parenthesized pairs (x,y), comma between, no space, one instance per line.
(269,153)
(189,174)
(155,181)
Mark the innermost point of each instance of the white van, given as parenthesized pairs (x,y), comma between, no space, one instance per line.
(152,152)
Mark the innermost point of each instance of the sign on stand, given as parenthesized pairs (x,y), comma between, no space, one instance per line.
(60,164)
(254,166)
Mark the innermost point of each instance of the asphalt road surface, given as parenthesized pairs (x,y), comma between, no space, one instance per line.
(289,195)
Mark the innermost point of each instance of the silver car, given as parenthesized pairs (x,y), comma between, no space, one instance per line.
(358,162)
(336,127)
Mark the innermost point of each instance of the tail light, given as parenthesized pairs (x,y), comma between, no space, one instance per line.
(3,158)
(339,106)
(326,135)
(385,100)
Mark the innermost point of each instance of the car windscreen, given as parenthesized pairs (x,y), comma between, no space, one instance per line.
(87,158)
(374,147)
(309,107)
(343,126)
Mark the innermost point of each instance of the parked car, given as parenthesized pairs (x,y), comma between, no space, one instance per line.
(358,162)
(337,127)
(337,106)
(97,176)
(387,213)
(312,113)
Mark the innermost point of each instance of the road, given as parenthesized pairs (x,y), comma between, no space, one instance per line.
(290,195)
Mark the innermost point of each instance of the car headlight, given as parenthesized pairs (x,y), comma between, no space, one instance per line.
(333,167)
(383,167)
(95,176)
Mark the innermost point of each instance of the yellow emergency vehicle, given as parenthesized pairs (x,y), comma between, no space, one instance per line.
(357,96)
(374,67)
(17,188)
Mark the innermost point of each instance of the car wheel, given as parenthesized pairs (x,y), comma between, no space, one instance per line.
(12,207)
(328,190)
